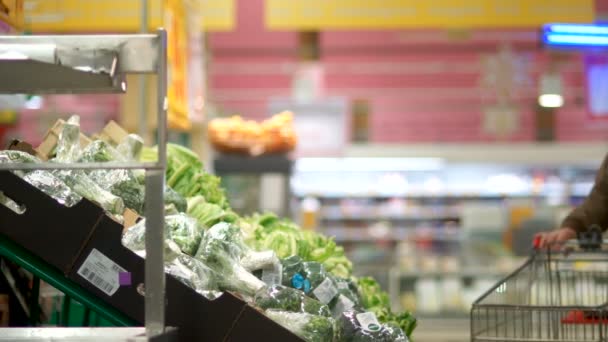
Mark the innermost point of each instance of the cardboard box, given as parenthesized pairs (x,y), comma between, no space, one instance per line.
(198,319)
(46,149)
(48,229)
(112,133)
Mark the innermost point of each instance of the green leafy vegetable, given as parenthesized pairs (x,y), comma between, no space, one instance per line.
(185,175)
(311,328)
(208,214)
(221,250)
(283,298)
(349,328)
(377,301)
(287,239)
(172,197)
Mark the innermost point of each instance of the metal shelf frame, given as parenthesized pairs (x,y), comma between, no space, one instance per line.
(94,64)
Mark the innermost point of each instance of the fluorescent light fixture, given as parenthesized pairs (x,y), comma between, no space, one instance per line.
(577,29)
(575,35)
(34,103)
(367,164)
(579,40)
(551,100)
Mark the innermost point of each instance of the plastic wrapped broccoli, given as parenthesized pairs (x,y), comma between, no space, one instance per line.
(68,147)
(172,197)
(121,183)
(364,326)
(78,181)
(283,298)
(184,268)
(41,179)
(311,278)
(99,151)
(347,298)
(190,271)
(52,186)
(180,228)
(221,250)
(68,151)
(309,327)
(10,156)
(131,146)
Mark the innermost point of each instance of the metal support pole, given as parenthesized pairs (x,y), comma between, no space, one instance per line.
(143,86)
(155,182)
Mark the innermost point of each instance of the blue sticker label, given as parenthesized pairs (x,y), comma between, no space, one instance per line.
(306,286)
(297,281)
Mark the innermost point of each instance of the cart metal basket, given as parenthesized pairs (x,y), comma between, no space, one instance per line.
(554,296)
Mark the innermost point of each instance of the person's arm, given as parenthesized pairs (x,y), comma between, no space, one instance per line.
(594,210)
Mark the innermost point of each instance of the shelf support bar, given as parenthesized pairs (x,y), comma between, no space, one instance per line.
(155,182)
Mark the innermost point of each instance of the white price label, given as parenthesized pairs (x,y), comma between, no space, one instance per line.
(326,291)
(342,285)
(368,321)
(344,304)
(273,276)
(101,271)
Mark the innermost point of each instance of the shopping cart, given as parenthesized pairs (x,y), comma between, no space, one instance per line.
(554,296)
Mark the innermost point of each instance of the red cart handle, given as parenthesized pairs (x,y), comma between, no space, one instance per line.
(536,241)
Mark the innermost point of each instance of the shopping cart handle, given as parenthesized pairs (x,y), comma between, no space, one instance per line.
(536,242)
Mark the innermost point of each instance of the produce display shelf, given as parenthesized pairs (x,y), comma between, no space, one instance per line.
(60,64)
(55,278)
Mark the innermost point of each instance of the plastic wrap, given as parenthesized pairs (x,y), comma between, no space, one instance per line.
(99,151)
(172,197)
(52,186)
(131,146)
(364,326)
(309,327)
(190,271)
(68,151)
(311,278)
(68,144)
(283,298)
(11,156)
(78,181)
(180,229)
(41,179)
(183,267)
(184,231)
(12,205)
(121,183)
(252,260)
(221,249)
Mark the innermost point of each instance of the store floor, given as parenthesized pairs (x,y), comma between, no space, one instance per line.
(443,330)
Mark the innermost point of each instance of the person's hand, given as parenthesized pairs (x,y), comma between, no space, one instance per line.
(555,237)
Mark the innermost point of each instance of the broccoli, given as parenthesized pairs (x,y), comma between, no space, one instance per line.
(221,249)
(283,298)
(99,151)
(172,197)
(309,327)
(181,229)
(349,328)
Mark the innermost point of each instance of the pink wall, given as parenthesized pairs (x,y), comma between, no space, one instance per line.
(422,86)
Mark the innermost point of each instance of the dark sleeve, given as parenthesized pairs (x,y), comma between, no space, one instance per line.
(594,210)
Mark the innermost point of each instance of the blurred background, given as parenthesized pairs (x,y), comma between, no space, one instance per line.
(435,138)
